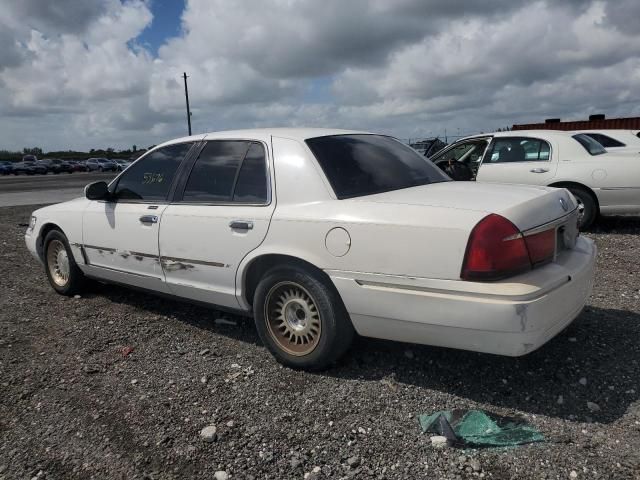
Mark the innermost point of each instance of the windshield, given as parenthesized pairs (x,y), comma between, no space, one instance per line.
(589,144)
(358,165)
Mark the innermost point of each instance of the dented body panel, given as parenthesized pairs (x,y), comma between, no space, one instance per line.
(395,258)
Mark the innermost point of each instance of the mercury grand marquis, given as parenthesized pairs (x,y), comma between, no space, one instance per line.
(320,234)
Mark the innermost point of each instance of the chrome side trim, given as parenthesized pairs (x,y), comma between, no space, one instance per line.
(95,247)
(149,255)
(187,260)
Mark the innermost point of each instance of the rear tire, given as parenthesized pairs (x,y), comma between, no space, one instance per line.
(62,271)
(587,204)
(301,319)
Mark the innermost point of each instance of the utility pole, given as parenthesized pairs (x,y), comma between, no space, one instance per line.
(186,96)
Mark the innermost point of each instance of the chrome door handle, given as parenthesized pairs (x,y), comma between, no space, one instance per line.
(241,225)
(539,170)
(149,219)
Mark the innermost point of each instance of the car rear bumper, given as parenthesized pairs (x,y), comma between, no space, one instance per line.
(511,317)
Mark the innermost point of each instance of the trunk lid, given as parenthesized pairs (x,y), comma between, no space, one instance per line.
(526,206)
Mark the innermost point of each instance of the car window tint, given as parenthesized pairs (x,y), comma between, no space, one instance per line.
(214,173)
(251,186)
(518,149)
(605,141)
(151,177)
(358,165)
(589,144)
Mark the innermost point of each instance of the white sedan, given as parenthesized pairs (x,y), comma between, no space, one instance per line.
(616,140)
(322,233)
(602,182)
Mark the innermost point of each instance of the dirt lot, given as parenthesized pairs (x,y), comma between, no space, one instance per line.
(73,406)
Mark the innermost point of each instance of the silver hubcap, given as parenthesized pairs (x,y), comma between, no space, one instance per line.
(293,319)
(58,263)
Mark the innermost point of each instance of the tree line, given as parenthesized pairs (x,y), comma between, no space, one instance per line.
(128,154)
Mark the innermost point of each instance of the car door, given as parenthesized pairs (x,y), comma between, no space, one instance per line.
(468,152)
(120,236)
(220,214)
(519,159)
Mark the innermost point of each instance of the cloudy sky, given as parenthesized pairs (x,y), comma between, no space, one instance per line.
(97,73)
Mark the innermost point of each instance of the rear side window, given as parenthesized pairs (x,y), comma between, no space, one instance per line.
(358,165)
(251,186)
(518,149)
(228,171)
(605,141)
(149,179)
(589,144)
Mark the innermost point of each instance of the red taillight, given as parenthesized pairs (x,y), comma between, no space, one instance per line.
(541,246)
(496,249)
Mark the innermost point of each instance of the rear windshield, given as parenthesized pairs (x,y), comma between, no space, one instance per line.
(589,144)
(605,141)
(358,165)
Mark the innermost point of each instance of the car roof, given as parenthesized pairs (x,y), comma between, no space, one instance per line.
(265,134)
(523,133)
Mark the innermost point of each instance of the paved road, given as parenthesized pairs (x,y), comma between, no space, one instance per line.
(39,189)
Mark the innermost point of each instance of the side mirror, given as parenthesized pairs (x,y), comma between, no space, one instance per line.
(97,191)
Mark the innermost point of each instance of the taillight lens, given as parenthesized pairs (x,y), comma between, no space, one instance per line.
(496,249)
(541,246)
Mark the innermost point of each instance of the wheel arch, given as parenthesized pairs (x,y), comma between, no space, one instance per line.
(42,234)
(257,266)
(569,184)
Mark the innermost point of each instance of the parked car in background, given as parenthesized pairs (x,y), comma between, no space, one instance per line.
(38,167)
(26,168)
(29,158)
(616,140)
(602,183)
(122,164)
(77,165)
(366,236)
(56,165)
(6,167)
(101,164)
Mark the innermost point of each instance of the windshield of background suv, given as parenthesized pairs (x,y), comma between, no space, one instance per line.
(589,144)
(358,165)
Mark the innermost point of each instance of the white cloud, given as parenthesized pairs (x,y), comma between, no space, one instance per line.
(72,74)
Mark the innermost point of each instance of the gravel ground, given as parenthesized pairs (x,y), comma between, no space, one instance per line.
(119,384)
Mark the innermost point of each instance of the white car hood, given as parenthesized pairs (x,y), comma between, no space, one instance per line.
(526,206)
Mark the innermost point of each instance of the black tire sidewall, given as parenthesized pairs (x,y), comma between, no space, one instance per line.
(76,277)
(337,330)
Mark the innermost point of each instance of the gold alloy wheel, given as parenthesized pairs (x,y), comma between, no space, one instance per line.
(58,263)
(292,318)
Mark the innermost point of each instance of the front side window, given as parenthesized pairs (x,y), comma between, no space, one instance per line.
(150,178)
(518,149)
(358,165)
(228,171)
(605,140)
(466,152)
(589,144)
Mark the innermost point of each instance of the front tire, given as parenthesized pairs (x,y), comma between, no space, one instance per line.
(62,271)
(587,205)
(301,319)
